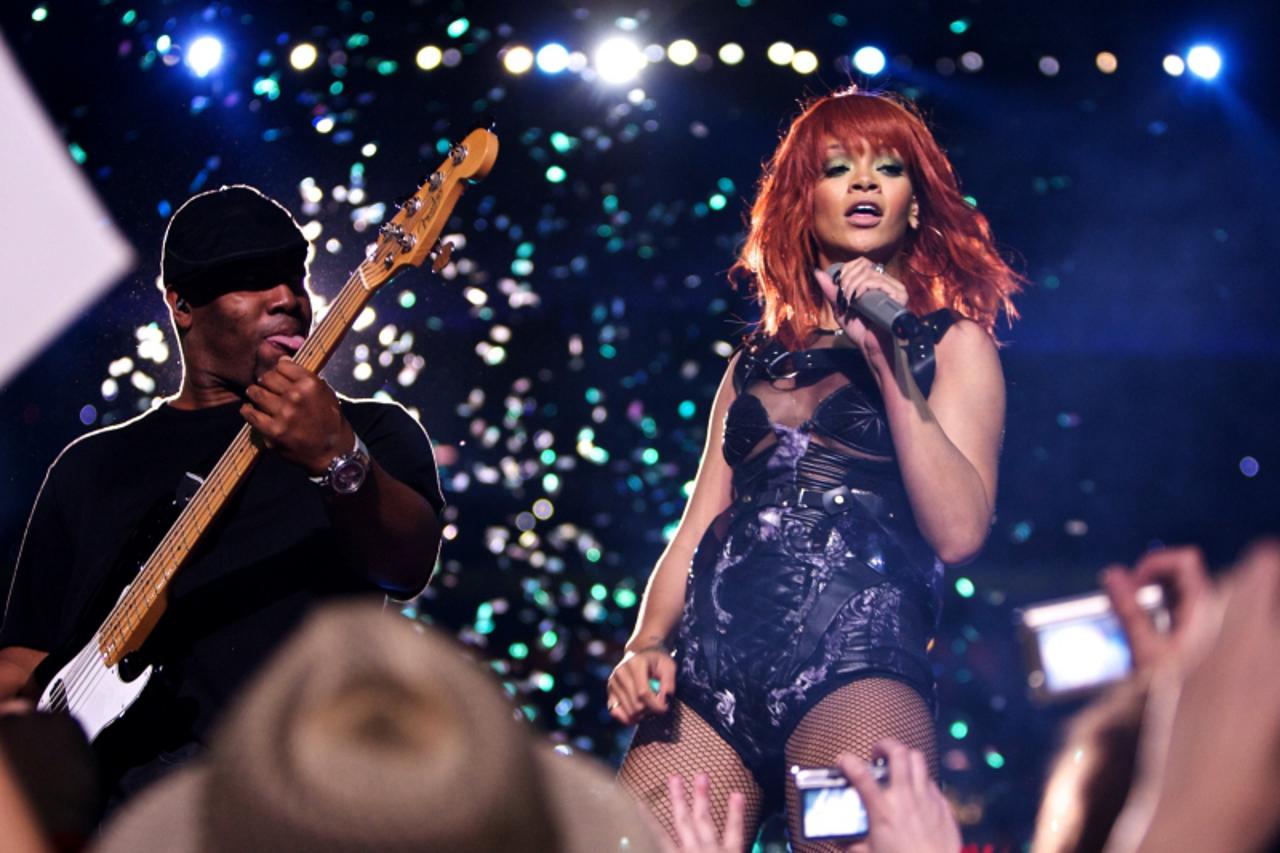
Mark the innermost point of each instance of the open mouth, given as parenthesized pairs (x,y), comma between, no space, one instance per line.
(865,214)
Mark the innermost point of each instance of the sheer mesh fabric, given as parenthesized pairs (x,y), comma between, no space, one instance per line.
(682,742)
(851,719)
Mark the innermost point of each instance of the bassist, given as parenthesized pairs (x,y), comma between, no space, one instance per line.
(344,501)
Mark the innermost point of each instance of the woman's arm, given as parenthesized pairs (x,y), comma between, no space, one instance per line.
(631,694)
(712,491)
(948,447)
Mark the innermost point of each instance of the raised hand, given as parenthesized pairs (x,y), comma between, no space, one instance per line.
(856,278)
(695,828)
(907,814)
(1182,575)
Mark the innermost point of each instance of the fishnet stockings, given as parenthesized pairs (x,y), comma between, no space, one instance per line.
(852,719)
(682,742)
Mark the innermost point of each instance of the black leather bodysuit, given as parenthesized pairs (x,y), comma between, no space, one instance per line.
(816,574)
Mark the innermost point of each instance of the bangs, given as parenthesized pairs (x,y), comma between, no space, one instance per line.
(856,121)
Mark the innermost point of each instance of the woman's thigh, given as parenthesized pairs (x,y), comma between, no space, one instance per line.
(681,742)
(852,719)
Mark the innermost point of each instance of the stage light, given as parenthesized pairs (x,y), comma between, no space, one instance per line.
(1173,65)
(805,62)
(1049,66)
(458,27)
(204,55)
(1106,62)
(429,57)
(732,53)
(781,53)
(869,60)
(682,52)
(518,59)
(303,56)
(39,14)
(971,61)
(1204,62)
(618,60)
(552,58)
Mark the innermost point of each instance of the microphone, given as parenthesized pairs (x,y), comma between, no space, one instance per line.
(880,310)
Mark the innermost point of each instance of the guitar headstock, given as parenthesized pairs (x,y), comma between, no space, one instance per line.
(410,237)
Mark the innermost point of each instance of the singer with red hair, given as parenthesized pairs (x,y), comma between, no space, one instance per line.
(848,460)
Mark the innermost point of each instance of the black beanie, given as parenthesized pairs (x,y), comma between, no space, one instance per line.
(217,237)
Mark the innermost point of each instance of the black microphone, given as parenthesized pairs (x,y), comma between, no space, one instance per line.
(881,310)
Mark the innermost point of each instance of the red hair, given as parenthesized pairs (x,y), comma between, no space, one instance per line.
(950,261)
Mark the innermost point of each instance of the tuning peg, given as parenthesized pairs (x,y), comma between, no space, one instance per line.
(440,255)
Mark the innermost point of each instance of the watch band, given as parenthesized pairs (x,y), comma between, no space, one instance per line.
(357,456)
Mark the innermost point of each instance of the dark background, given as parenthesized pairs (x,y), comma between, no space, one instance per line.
(1140,205)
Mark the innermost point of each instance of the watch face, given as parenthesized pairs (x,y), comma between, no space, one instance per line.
(348,476)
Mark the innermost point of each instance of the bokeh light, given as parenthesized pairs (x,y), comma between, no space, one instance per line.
(1106,62)
(517,59)
(1204,61)
(682,52)
(618,60)
(429,57)
(552,58)
(1173,65)
(805,61)
(781,53)
(731,53)
(1049,66)
(869,60)
(204,55)
(303,56)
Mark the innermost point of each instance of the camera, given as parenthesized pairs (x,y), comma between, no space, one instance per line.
(829,806)
(1074,646)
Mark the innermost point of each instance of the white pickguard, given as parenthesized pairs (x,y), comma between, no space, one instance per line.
(91,691)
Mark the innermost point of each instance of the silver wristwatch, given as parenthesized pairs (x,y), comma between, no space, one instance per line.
(347,472)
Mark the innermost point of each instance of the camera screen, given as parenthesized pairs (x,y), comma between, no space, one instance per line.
(1083,652)
(833,813)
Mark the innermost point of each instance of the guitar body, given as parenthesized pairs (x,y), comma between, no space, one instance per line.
(91,691)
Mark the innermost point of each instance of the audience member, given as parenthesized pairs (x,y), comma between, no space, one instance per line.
(1186,754)
(369,732)
(1093,771)
(1209,750)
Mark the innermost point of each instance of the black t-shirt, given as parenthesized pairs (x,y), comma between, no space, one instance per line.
(251,579)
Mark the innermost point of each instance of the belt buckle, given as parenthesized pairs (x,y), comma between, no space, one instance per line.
(837,500)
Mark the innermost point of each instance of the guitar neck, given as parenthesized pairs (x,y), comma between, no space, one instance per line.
(136,613)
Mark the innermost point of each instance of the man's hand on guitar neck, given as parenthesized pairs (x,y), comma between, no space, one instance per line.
(298,417)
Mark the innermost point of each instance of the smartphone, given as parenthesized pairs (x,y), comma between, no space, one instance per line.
(830,807)
(1075,646)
